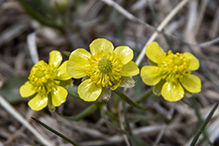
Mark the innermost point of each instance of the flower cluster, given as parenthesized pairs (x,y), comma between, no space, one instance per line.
(106,69)
(47,83)
(171,74)
(103,70)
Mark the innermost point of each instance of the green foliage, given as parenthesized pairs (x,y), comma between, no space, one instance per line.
(10,89)
(55,132)
(41,11)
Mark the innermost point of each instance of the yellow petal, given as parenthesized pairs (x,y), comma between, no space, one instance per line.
(78,62)
(62,72)
(150,75)
(59,95)
(88,91)
(26,90)
(192,83)
(194,64)
(154,52)
(130,69)
(38,102)
(101,44)
(172,91)
(55,58)
(124,53)
(40,63)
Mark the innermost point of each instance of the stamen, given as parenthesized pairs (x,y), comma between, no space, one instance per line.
(174,64)
(105,70)
(42,78)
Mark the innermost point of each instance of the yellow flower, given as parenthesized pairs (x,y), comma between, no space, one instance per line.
(47,83)
(103,70)
(171,74)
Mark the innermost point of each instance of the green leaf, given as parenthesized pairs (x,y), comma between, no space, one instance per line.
(39,10)
(204,125)
(128,100)
(84,113)
(55,132)
(10,89)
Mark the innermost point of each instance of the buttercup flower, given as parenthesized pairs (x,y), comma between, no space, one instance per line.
(103,70)
(47,83)
(171,74)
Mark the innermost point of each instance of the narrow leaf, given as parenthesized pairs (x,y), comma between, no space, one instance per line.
(55,132)
(128,100)
(204,125)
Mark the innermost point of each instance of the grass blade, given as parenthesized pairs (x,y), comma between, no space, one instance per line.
(55,132)
(203,125)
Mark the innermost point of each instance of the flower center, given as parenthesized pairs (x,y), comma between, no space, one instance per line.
(105,65)
(177,62)
(42,78)
(40,74)
(175,65)
(105,69)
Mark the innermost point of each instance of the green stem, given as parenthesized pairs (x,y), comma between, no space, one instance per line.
(84,113)
(55,132)
(128,100)
(145,96)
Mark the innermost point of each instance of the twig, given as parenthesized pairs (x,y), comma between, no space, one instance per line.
(18,117)
(200,16)
(127,14)
(121,124)
(31,42)
(209,43)
(160,28)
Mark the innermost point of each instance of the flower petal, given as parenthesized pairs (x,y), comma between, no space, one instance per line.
(62,72)
(78,62)
(172,91)
(38,102)
(154,52)
(130,69)
(194,63)
(101,44)
(26,90)
(55,58)
(192,83)
(150,75)
(124,53)
(40,63)
(88,91)
(59,95)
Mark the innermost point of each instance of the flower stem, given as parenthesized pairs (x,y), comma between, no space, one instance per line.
(84,113)
(145,96)
(128,100)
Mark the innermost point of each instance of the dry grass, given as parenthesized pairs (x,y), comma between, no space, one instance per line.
(195,25)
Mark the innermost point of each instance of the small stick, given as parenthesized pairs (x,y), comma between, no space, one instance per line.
(160,28)
(19,118)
